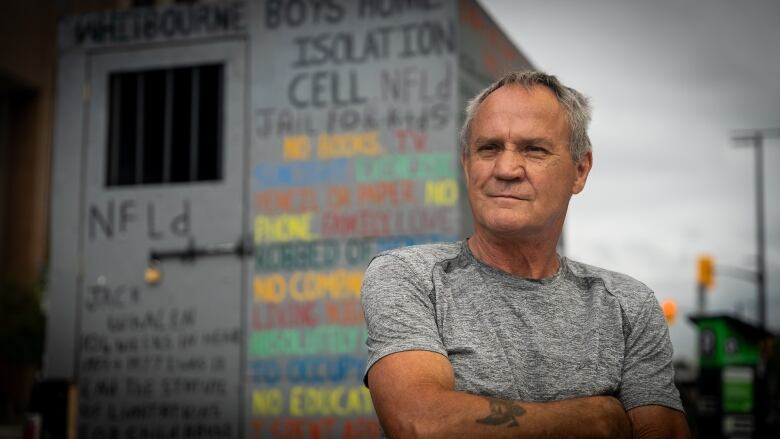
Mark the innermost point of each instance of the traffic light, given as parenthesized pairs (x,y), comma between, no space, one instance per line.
(706,271)
(669,308)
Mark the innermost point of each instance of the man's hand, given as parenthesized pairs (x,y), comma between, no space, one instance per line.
(414,396)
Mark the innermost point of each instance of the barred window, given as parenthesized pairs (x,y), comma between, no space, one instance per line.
(165,126)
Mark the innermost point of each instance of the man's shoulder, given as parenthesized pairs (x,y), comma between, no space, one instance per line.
(421,257)
(620,285)
(408,266)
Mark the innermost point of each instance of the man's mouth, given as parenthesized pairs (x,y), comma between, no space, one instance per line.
(510,196)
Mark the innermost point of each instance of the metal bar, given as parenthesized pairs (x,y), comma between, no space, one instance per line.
(761,272)
(194,123)
(219,147)
(736,273)
(240,248)
(701,294)
(139,130)
(113,145)
(168,129)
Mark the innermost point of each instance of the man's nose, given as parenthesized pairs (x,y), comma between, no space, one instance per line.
(509,165)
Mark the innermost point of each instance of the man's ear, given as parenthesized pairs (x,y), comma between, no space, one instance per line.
(582,169)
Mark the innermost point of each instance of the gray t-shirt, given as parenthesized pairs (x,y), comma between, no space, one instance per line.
(585,331)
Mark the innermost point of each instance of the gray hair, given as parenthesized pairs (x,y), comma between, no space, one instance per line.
(573,102)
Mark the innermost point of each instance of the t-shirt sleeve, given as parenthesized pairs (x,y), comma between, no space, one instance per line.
(648,374)
(399,312)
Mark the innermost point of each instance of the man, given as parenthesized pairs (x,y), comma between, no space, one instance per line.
(498,336)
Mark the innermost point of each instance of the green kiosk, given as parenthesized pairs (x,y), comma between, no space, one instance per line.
(731,391)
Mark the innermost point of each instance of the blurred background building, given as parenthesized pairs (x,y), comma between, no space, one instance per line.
(203,184)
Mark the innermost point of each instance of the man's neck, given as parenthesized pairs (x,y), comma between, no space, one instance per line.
(528,259)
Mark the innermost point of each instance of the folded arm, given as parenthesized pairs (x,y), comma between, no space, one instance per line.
(414,396)
(656,421)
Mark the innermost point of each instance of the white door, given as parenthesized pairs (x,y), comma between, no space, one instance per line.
(164,175)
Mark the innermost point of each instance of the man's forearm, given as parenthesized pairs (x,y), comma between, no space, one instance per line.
(452,414)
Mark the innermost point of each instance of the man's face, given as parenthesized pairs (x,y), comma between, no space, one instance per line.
(519,172)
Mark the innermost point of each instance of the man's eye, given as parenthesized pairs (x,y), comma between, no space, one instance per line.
(487,148)
(536,149)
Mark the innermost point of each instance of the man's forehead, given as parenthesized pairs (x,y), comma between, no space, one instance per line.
(516,103)
(516,96)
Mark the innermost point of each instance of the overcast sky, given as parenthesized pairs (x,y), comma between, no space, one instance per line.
(669,80)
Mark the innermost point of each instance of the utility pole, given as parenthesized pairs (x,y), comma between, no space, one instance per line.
(756,139)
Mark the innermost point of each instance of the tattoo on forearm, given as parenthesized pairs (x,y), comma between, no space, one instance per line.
(502,412)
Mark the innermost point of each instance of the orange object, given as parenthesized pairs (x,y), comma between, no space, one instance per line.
(669,307)
(706,271)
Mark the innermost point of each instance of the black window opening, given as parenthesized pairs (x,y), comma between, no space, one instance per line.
(165,126)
